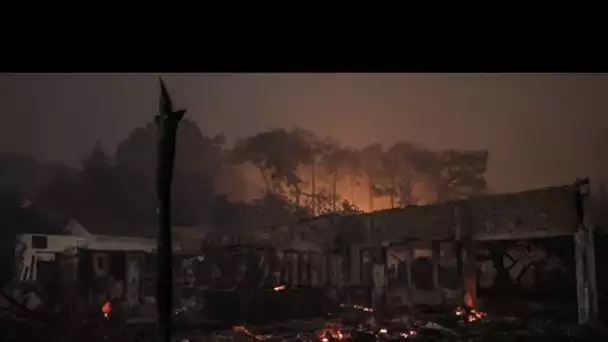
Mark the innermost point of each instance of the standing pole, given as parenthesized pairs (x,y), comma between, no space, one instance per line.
(167,122)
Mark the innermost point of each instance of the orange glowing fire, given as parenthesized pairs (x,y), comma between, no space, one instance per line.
(472,315)
(279,288)
(106,309)
(334,331)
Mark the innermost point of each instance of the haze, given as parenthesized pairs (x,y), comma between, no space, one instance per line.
(540,129)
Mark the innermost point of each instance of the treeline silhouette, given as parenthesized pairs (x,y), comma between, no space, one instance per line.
(267,179)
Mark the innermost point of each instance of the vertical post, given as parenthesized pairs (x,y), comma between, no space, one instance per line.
(584,253)
(340,270)
(313,198)
(586,286)
(313,272)
(295,268)
(436,258)
(334,185)
(287,268)
(459,247)
(409,260)
(167,121)
(591,271)
(384,260)
(582,288)
(304,268)
(370,194)
(393,162)
(378,275)
(459,270)
(277,266)
(355,265)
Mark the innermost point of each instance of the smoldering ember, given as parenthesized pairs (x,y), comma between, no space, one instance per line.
(303,263)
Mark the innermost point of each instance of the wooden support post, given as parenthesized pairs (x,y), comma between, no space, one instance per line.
(459,247)
(313,271)
(366,268)
(310,268)
(588,227)
(295,261)
(582,289)
(384,260)
(378,278)
(331,261)
(592,278)
(282,268)
(409,286)
(378,287)
(584,253)
(133,279)
(303,268)
(436,258)
(459,270)
(355,265)
(586,286)
(340,270)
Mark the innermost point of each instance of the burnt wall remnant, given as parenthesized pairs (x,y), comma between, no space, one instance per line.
(451,233)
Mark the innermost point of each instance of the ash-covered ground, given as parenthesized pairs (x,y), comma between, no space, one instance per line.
(292,316)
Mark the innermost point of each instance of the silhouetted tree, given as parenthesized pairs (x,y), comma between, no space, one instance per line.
(25,174)
(335,161)
(277,154)
(90,193)
(400,169)
(199,161)
(99,186)
(462,174)
(317,149)
(371,164)
(354,170)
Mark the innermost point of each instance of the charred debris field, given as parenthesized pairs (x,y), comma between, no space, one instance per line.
(294,314)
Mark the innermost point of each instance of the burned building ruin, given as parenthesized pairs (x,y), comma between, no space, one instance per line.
(407,257)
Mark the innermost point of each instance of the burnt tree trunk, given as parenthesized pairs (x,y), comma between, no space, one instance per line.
(167,122)
(334,186)
(371,194)
(313,198)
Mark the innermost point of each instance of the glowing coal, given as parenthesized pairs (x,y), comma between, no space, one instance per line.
(470,315)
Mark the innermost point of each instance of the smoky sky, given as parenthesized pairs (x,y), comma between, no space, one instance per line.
(540,129)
